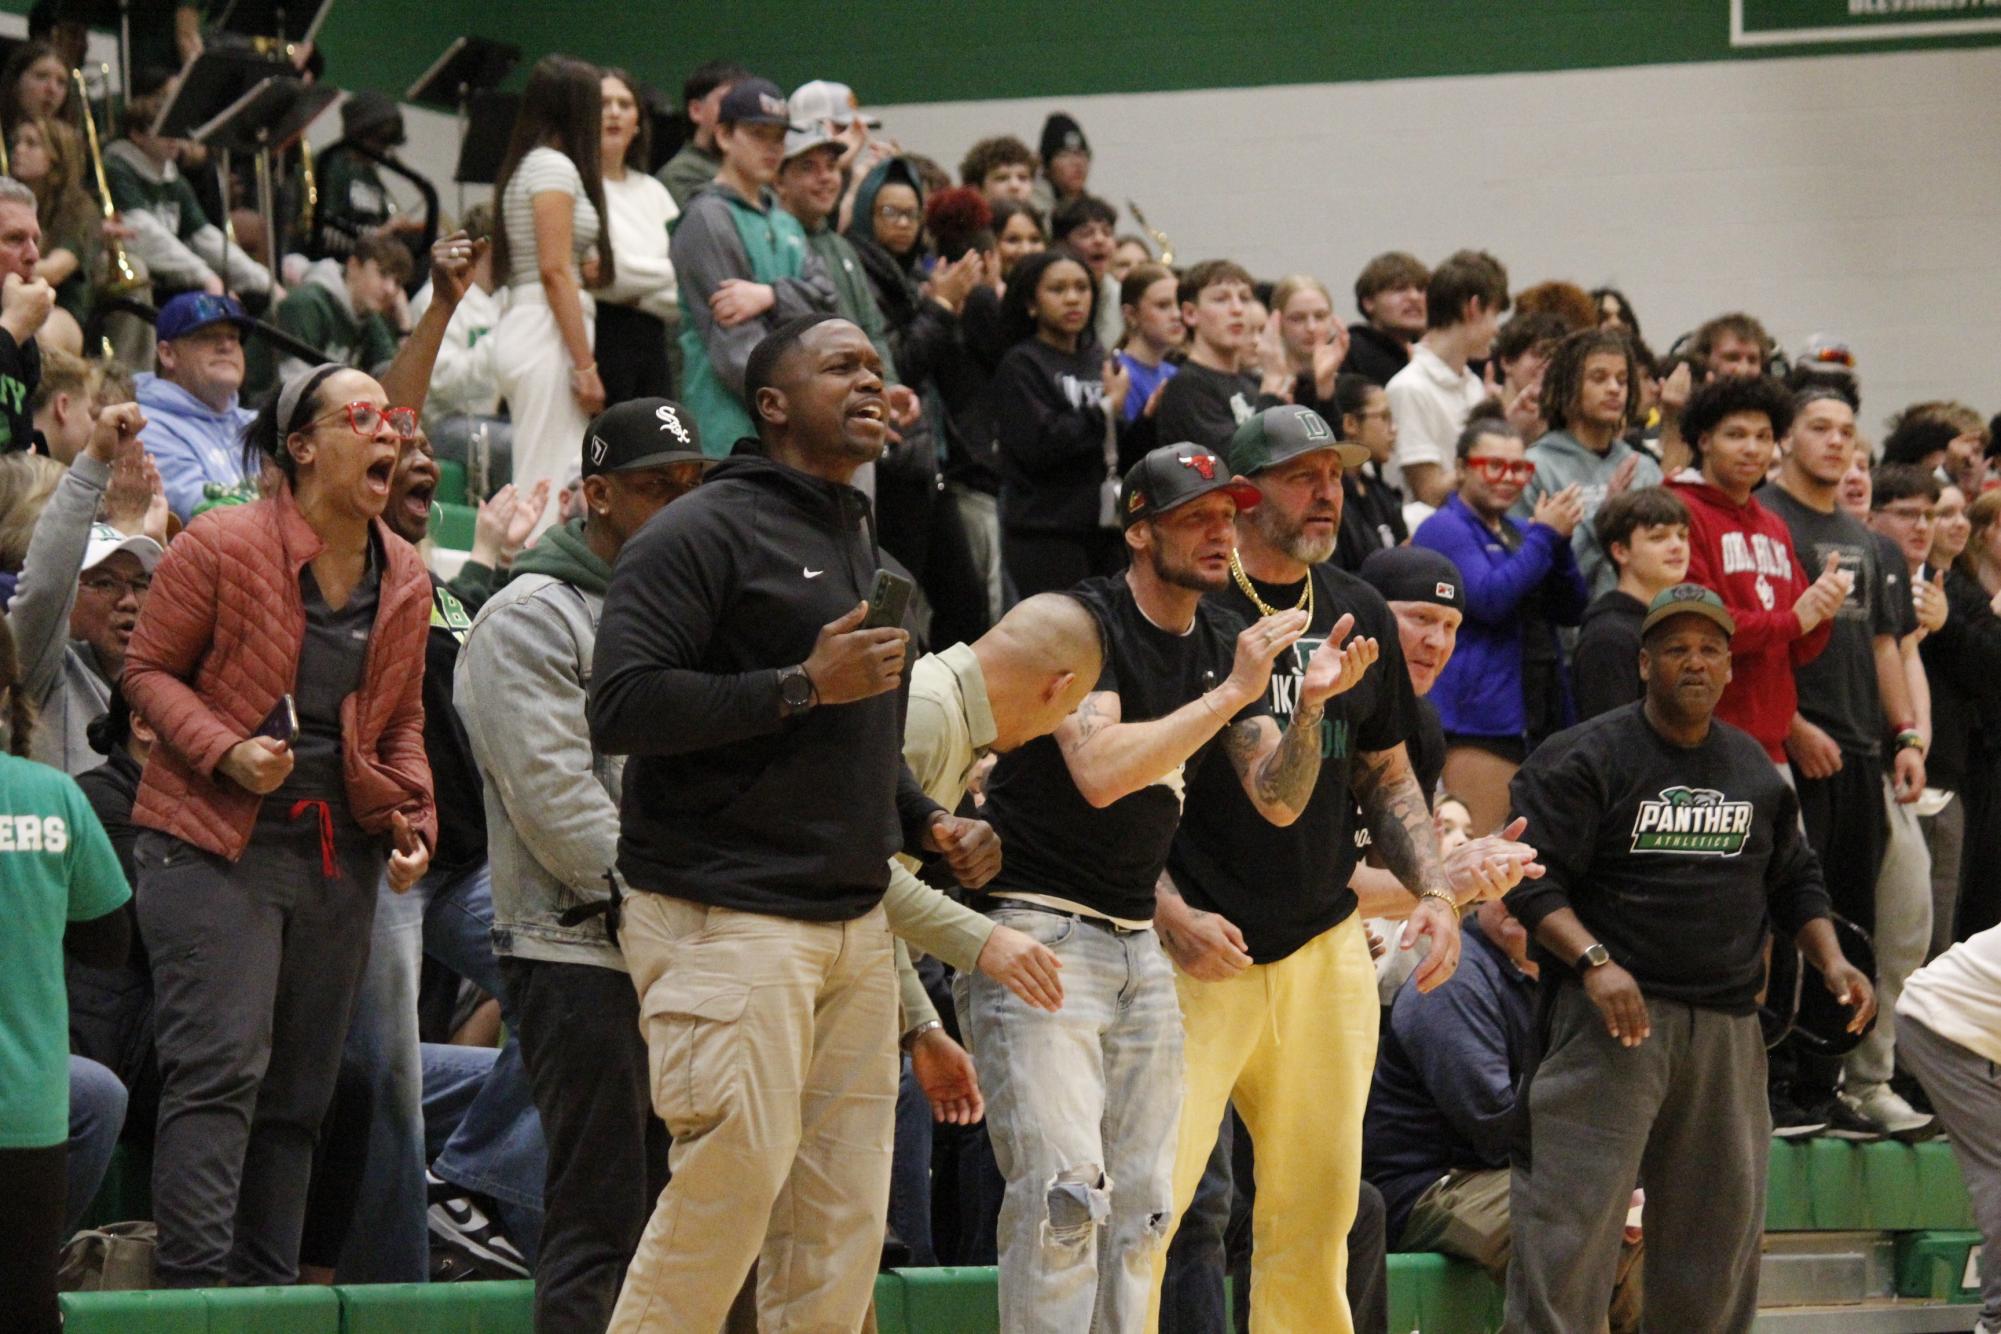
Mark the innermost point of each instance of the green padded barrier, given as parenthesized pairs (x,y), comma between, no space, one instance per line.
(305,1310)
(451,482)
(1438,1294)
(445,1308)
(1837,1185)
(135,1312)
(127,1192)
(451,525)
(889,1313)
(1935,1265)
(958,1300)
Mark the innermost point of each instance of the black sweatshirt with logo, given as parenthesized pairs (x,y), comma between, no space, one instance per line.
(726,801)
(1672,856)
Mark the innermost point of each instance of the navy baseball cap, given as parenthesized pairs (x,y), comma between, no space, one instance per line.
(197,310)
(754,102)
(1414,574)
(1172,476)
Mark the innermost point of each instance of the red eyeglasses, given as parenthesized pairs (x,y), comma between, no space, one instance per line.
(365,418)
(1502,470)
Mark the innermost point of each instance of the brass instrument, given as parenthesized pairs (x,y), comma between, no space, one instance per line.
(309,189)
(119,275)
(1159,237)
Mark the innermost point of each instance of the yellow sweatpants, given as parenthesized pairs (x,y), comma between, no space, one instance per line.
(1293,1044)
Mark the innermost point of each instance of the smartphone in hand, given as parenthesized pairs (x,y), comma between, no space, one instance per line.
(282,723)
(887,601)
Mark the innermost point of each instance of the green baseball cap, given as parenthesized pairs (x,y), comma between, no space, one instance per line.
(1689,600)
(1285,432)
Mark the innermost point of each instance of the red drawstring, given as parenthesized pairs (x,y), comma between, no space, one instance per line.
(329,867)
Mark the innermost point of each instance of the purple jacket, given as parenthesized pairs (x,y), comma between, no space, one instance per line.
(1480,691)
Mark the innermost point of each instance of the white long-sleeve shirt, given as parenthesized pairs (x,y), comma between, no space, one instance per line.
(641,211)
(465,379)
(1958,994)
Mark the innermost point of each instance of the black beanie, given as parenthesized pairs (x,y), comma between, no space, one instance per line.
(1414,574)
(1062,134)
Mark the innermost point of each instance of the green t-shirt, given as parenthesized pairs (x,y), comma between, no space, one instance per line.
(56,867)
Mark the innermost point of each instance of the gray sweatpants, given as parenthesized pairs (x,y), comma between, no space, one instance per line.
(1965,1089)
(1682,1114)
(256,965)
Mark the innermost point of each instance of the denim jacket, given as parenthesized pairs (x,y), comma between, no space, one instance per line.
(551,797)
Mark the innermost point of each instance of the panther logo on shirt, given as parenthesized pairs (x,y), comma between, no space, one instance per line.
(1697,820)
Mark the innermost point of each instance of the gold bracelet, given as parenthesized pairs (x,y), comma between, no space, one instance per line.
(1444,896)
(1217,713)
(584,370)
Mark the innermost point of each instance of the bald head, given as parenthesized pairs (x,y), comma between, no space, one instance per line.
(1040,661)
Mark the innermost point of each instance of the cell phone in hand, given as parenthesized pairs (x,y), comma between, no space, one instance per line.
(282,723)
(887,601)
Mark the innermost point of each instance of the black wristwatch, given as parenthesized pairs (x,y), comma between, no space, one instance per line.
(1594,956)
(795,691)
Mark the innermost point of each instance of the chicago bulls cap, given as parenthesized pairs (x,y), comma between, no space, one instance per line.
(1174,475)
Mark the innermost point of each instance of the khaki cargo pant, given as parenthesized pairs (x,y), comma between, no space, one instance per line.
(771,1044)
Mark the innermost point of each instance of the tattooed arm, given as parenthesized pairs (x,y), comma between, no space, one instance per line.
(1278,771)
(1400,827)
(1399,819)
(1109,759)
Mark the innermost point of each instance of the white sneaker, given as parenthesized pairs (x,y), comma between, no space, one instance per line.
(1882,1104)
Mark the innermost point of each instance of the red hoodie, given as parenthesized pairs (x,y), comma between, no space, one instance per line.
(1745,553)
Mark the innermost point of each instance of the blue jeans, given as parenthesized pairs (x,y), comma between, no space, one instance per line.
(910,1172)
(1082,1106)
(496,1148)
(96,1115)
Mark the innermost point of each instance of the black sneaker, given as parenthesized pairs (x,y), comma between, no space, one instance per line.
(1844,1122)
(463,1225)
(1789,1119)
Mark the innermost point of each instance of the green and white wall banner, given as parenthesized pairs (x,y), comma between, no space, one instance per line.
(1790,22)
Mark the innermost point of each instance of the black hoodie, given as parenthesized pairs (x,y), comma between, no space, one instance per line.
(1605,669)
(1374,354)
(727,802)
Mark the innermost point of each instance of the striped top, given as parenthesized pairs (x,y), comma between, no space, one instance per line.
(544,170)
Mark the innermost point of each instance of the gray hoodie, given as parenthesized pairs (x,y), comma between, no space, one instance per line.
(60,673)
(1561,460)
(551,797)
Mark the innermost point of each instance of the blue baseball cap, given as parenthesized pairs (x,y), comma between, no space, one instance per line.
(197,310)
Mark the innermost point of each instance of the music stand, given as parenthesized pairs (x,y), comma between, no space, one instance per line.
(294,22)
(469,66)
(490,124)
(270,114)
(118,16)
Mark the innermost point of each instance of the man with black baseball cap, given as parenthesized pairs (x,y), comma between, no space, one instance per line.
(1277,990)
(1082,1103)
(551,800)
(742,263)
(1669,842)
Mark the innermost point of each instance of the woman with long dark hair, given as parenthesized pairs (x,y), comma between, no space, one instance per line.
(552,215)
(1057,400)
(280,665)
(34,82)
(635,311)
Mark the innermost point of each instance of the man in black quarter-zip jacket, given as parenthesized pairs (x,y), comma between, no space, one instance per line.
(764,795)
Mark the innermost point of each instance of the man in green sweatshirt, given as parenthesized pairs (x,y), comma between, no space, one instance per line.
(344,306)
(742,263)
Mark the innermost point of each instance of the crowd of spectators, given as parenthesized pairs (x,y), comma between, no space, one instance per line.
(1238,785)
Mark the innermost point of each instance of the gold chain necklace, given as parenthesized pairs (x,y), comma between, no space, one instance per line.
(1305,602)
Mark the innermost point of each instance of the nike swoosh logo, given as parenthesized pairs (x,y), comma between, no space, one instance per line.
(811,574)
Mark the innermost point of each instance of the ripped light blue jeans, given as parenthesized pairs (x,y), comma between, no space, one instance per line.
(1082,1107)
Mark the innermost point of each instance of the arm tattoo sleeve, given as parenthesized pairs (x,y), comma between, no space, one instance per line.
(1399,821)
(1285,777)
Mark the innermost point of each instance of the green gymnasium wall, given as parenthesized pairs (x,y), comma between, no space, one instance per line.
(909,51)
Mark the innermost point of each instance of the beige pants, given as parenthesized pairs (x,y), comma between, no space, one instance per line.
(772,1048)
(1466,1214)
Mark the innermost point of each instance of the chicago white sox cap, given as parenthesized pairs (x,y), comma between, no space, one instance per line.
(641,433)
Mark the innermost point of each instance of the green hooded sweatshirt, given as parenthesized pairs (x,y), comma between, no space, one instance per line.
(563,554)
